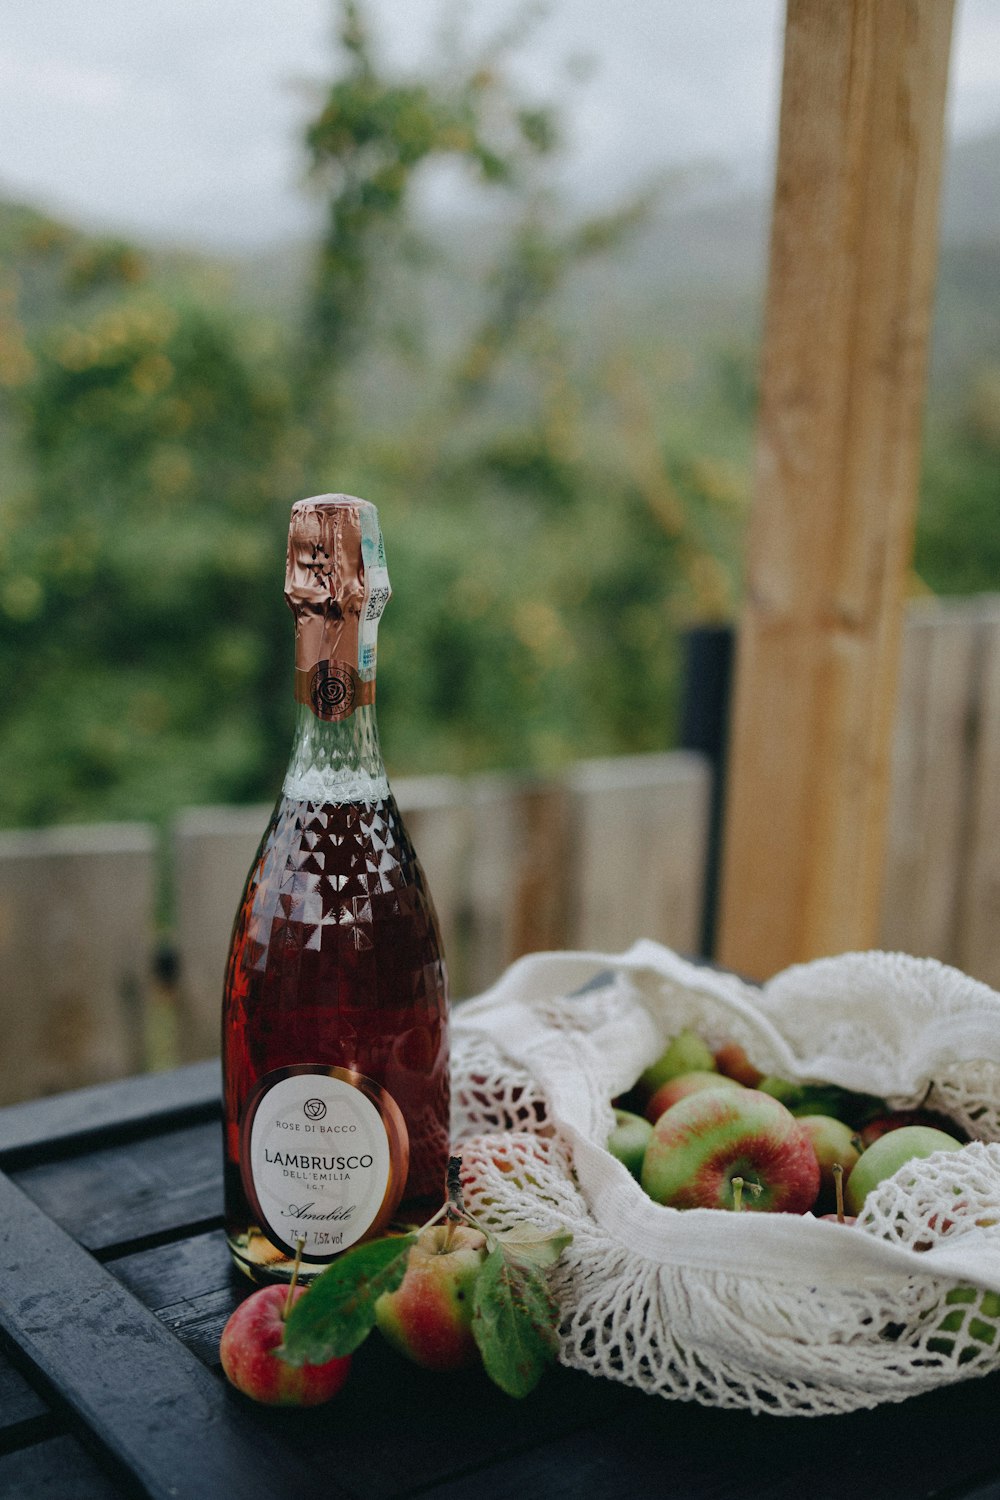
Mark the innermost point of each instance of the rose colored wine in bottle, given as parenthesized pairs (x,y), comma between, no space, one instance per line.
(334,1034)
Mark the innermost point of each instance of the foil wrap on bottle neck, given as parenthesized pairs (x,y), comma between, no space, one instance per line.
(337,586)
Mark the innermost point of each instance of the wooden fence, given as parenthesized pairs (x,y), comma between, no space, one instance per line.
(76,924)
(605,853)
(590,859)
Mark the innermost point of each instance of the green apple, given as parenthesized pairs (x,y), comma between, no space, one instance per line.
(669,1093)
(706,1140)
(686,1053)
(890,1152)
(628,1140)
(429,1315)
(961,1299)
(833,1143)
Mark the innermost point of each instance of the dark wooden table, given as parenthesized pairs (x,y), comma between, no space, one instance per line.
(115,1284)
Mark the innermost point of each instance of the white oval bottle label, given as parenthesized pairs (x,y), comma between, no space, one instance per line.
(324,1156)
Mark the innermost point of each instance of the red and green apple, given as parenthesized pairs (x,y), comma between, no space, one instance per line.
(709,1138)
(429,1315)
(834,1144)
(731,1060)
(686,1053)
(669,1093)
(249,1359)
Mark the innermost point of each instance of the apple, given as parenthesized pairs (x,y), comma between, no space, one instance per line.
(838,1216)
(707,1139)
(890,1152)
(628,1140)
(880,1125)
(833,1142)
(732,1062)
(669,1093)
(965,1302)
(247,1350)
(429,1315)
(687,1053)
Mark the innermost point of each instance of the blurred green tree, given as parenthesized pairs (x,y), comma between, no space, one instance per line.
(137,643)
(545,540)
(372,138)
(958,540)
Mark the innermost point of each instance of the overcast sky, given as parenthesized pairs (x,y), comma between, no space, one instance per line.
(181,118)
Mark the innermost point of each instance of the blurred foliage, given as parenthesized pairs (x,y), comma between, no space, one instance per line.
(137,640)
(958,540)
(373,136)
(554,511)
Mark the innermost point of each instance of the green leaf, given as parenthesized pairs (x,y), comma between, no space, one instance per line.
(514,1321)
(542,1247)
(338,1311)
(823,1099)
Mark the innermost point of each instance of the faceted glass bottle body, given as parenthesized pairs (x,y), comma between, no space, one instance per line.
(335,964)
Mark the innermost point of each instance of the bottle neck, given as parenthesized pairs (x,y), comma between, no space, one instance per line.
(336,761)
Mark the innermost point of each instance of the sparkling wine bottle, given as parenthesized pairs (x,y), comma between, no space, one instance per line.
(334,1033)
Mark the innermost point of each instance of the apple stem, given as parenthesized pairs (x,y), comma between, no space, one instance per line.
(736,1183)
(439,1214)
(455,1207)
(838,1187)
(299,1247)
(454,1210)
(456,1198)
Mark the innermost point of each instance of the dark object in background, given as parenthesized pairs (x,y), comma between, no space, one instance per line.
(704,726)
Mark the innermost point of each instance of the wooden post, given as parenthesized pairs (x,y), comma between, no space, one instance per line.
(853,259)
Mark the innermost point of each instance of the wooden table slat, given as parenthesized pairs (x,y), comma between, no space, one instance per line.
(404,1421)
(56,1469)
(575,1434)
(121,1195)
(988,1490)
(18,1402)
(144,1397)
(931,1447)
(191,1285)
(121,1341)
(42,1128)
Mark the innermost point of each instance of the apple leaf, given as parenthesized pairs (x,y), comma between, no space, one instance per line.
(338,1311)
(514,1321)
(542,1247)
(823,1099)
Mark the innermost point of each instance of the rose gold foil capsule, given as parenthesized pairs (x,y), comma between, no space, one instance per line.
(336,585)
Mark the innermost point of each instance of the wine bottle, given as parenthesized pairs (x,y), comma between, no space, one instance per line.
(334,1039)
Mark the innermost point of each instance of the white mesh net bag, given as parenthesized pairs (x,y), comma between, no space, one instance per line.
(772,1312)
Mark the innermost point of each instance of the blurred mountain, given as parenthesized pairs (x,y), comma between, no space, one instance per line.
(971,206)
(692,277)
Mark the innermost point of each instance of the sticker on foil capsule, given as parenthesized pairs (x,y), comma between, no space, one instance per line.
(378,591)
(333,690)
(324,1155)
